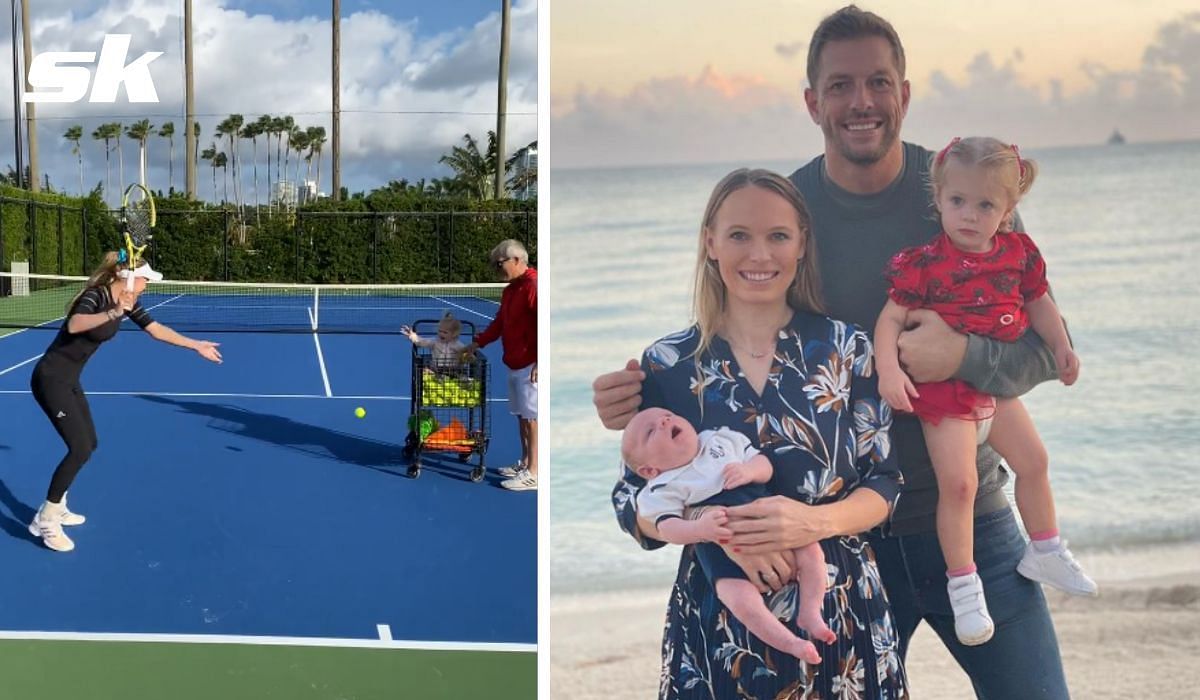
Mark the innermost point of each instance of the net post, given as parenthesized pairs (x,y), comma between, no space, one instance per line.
(316,319)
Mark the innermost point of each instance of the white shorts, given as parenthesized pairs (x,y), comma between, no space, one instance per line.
(983,428)
(522,393)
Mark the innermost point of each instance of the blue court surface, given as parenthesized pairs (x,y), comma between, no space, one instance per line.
(246,501)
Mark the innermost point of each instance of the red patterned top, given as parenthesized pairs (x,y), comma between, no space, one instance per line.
(980,293)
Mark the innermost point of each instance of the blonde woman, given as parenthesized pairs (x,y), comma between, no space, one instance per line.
(764,360)
(93,317)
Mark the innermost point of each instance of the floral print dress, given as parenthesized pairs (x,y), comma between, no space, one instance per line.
(822,424)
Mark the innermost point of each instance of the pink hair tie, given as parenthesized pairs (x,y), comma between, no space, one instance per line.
(1020,163)
(941,156)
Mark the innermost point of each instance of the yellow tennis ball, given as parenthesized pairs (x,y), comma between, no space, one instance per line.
(360,412)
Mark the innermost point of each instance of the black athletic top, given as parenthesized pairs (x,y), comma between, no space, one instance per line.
(70,351)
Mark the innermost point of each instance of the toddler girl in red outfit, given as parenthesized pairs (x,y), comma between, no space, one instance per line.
(984,278)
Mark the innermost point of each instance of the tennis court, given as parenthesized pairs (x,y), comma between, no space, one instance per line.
(247,535)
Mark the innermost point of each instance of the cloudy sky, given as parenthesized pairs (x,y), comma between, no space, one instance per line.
(681,81)
(415,77)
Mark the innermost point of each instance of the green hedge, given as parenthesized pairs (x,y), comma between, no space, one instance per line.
(384,237)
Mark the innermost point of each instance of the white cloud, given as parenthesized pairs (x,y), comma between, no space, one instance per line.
(406,99)
(711,118)
(715,118)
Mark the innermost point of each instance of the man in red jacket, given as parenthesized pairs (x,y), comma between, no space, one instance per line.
(516,327)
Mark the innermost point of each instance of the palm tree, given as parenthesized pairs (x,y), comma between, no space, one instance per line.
(473,169)
(74,134)
(140,131)
(316,139)
(105,133)
(116,129)
(298,143)
(210,154)
(168,132)
(285,125)
(230,127)
(196,136)
(220,161)
(251,131)
(264,126)
(236,121)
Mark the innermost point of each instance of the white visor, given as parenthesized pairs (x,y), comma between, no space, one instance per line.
(144,271)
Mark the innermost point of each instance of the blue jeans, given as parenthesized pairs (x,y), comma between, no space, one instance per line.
(1021,662)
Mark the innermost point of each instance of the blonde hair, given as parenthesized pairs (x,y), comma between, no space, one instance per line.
(709,294)
(103,276)
(1003,162)
(450,323)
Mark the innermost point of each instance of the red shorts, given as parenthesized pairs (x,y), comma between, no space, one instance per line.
(952,398)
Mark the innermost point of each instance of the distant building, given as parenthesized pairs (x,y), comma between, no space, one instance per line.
(524,170)
(308,192)
(283,194)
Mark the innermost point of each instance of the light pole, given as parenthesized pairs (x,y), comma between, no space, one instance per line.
(189,98)
(502,98)
(336,151)
(16,76)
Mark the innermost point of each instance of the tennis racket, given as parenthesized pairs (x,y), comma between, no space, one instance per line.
(138,218)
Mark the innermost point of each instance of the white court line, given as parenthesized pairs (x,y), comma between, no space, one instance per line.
(385,632)
(168,301)
(21,364)
(447,301)
(268,641)
(320,357)
(215,395)
(56,320)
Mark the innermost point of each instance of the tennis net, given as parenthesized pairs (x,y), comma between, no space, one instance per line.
(40,301)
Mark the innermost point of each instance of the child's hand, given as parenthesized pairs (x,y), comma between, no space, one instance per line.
(405,330)
(736,474)
(895,388)
(711,525)
(1067,363)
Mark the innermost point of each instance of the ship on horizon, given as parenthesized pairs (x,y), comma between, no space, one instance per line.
(1116,139)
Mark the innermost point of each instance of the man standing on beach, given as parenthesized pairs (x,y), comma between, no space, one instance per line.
(515,326)
(868,200)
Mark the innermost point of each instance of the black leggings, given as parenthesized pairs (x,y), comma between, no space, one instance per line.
(65,404)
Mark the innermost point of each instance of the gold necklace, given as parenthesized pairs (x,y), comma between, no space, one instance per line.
(757,355)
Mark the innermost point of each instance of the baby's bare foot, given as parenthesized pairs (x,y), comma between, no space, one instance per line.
(804,650)
(814,624)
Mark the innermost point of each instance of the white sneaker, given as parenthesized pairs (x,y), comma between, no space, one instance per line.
(52,534)
(522,481)
(1057,568)
(972,623)
(511,471)
(69,518)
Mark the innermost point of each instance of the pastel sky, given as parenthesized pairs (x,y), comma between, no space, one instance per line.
(415,77)
(679,81)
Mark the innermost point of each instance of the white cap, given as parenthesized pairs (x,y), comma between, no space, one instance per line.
(144,270)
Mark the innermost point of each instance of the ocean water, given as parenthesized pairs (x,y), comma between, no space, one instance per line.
(1119,230)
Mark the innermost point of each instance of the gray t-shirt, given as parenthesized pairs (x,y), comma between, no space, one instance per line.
(856,235)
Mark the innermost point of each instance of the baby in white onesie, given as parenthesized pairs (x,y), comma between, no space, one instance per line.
(715,468)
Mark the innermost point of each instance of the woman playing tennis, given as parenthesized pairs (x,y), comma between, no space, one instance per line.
(93,317)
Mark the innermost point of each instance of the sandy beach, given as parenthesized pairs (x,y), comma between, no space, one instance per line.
(1139,639)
